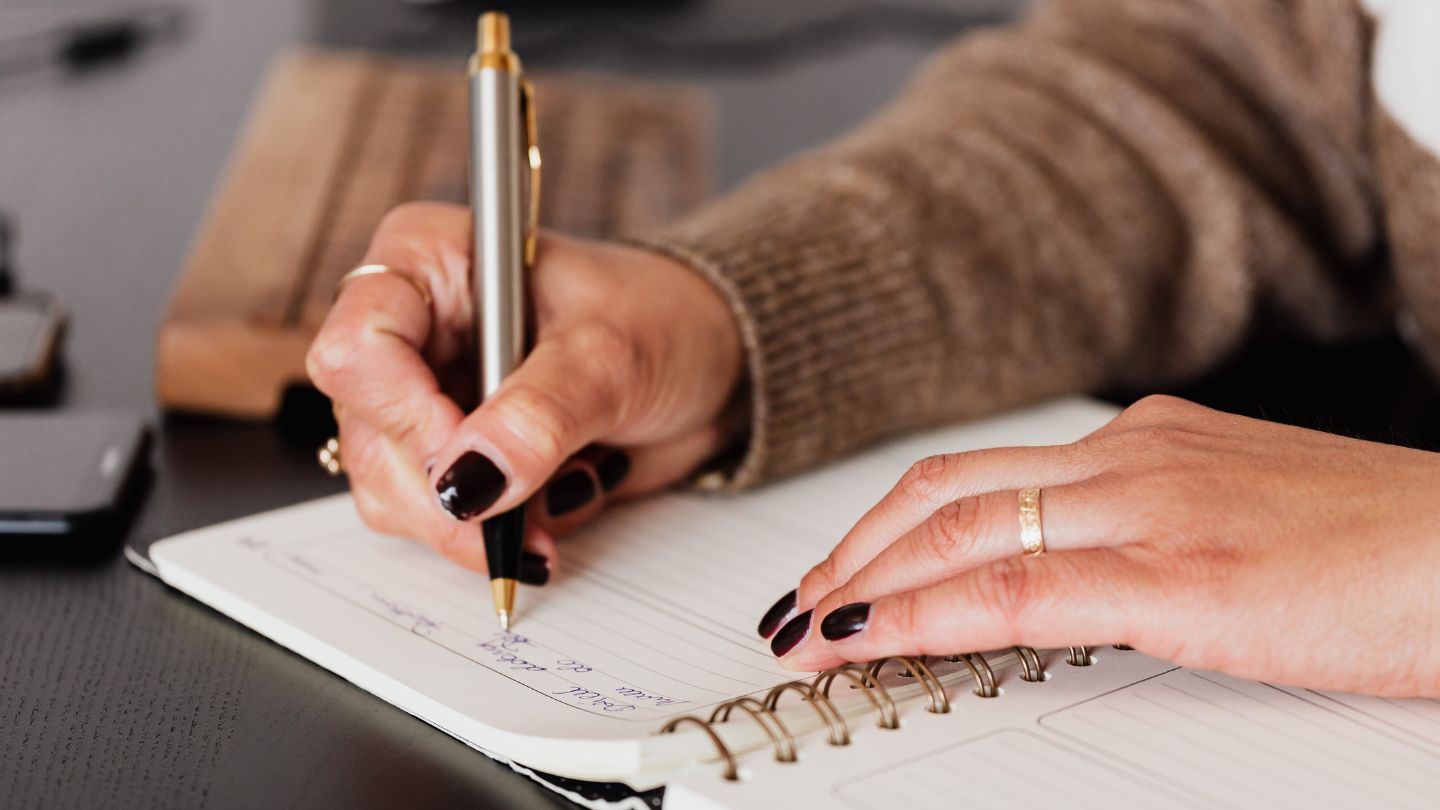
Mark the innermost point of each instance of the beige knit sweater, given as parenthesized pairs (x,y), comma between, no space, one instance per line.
(1115,192)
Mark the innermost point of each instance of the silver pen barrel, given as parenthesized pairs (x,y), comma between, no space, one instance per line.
(496,175)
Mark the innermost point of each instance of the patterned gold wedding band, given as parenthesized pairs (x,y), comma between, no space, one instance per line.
(385,269)
(329,456)
(1032,539)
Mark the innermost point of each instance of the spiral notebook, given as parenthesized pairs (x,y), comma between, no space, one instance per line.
(639,665)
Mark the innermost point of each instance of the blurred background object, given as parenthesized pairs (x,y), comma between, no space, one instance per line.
(77,39)
(338,138)
(31,329)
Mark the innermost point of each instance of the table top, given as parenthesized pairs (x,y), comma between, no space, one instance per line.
(117,691)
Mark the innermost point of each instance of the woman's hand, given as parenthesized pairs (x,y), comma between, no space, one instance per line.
(634,362)
(1211,540)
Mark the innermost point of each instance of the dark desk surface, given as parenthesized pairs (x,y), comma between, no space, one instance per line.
(117,692)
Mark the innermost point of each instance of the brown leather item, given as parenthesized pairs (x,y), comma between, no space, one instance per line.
(334,141)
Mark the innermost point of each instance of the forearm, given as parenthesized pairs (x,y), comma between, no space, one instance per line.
(1106,195)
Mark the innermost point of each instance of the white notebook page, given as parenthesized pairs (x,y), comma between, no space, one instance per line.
(651,613)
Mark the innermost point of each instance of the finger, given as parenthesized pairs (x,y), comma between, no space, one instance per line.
(1092,596)
(389,491)
(392,496)
(929,485)
(367,358)
(972,532)
(563,397)
(600,475)
(369,353)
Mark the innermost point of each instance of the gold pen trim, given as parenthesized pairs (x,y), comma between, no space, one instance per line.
(532,154)
(493,45)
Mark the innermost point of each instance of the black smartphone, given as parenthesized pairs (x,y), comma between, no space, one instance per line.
(69,474)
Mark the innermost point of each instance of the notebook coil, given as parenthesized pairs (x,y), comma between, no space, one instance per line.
(884,704)
(780,738)
(839,733)
(867,679)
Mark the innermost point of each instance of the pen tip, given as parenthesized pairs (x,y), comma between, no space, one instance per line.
(504,617)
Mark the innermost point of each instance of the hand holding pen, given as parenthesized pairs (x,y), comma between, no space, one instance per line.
(634,359)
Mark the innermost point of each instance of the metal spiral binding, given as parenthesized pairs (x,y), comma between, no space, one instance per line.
(839,733)
(867,679)
(884,704)
(1032,669)
(731,772)
(985,684)
(780,738)
(939,703)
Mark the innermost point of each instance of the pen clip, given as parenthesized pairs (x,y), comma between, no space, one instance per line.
(532,155)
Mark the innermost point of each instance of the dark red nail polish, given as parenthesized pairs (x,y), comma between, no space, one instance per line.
(612,469)
(534,569)
(844,622)
(777,614)
(569,492)
(471,485)
(791,634)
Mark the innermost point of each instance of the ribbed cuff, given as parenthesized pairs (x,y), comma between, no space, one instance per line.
(839,331)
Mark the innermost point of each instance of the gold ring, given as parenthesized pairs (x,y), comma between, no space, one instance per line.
(1032,539)
(384,269)
(329,456)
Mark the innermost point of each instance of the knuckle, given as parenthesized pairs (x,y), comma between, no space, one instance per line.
(601,340)
(615,362)
(403,216)
(928,479)
(951,532)
(1006,590)
(1158,408)
(540,418)
(328,359)
(906,621)
(825,578)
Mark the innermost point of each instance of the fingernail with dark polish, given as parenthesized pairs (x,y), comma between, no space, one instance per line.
(778,612)
(534,568)
(844,622)
(791,634)
(471,485)
(569,492)
(612,470)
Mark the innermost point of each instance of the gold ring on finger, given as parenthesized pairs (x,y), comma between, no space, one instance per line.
(1032,537)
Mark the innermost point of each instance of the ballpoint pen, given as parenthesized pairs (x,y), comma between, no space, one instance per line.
(502,144)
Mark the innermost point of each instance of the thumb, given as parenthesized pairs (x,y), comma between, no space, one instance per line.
(563,397)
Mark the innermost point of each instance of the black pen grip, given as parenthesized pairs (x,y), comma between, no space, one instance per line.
(504,541)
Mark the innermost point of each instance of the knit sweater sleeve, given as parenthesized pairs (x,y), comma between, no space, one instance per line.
(1114,192)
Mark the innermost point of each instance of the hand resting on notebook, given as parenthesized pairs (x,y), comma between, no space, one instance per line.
(1214,541)
(635,359)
